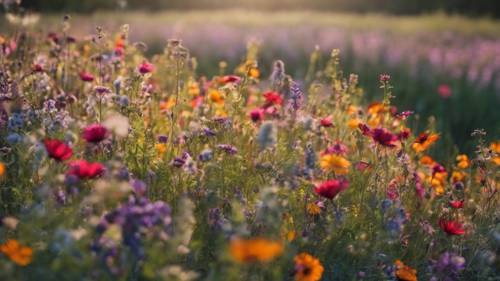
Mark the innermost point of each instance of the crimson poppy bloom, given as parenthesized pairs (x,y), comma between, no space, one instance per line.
(86,76)
(330,188)
(146,67)
(95,133)
(231,79)
(456,204)
(272,98)
(85,170)
(451,227)
(57,149)
(326,122)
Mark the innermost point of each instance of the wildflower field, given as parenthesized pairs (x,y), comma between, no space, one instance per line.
(212,157)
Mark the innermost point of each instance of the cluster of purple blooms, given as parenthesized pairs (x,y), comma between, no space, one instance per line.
(447,267)
(135,218)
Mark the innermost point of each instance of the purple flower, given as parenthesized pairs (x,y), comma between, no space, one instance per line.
(229,149)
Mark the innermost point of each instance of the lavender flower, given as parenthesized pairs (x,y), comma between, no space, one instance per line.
(229,149)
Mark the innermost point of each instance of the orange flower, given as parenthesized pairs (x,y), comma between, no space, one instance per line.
(216,97)
(307,268)
(457,176)
(404,272)
(313,209)
(354,123)
(495,146)
(255,249)
(2,169)
(463,161)
(427,161)
(335,163)
(21,255)
(424,141)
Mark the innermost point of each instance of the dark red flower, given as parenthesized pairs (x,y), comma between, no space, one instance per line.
(85,170)
(257,114)
(37,67)
(95,133)
(451,227)
(326,122)
(336,148)
(457,204)
(404,134)
(272,98)
(145,67)
(86,76)
(231,79)
(330,188)
(57,149)
(365,130)
(384,137)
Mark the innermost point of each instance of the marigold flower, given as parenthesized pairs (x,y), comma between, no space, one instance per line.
(307,268)
(404,272)
(330,188)
(255,250)
(463,161)
(495,146)
(21,255)
(427,160)
(457,176)
(216,97)
(354,123)
(451,227)
(424,141)
(2,169)
(57,149)
(335,163)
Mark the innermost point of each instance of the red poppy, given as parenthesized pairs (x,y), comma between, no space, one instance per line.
(451,227)
(457,204)
(95,133)
(330,188)
(146,67)
(272,98)
(326,122)
(57,149)
(384,137)
(444,91)
(257,115)
(86,76)
(231,79)
(365,130)
(85,170)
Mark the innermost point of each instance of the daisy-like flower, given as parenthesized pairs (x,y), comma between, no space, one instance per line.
(424,141)
(255,250)
(19,254)
(334,163)
(307,268)
(404,272)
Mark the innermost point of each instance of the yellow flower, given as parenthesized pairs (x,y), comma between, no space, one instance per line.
(335,163)
(168,104)
(193,88)
(255,249)
(463,161)
(424,141)
(254,73)
(21,255)
(313,209)
(353,123)
(161,148)
(307,268)
(216,97)
(2,169)
(404,272)
(457,176)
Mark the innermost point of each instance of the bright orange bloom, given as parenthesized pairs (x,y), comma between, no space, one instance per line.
(2,169)
(335,163)
(307,268)
(424,141)
(255,249)
(21,255)
(457,176)
(463,161)
(404,272)
(495,146)
(427,161)
(313,209)
(354,123)
(216,97)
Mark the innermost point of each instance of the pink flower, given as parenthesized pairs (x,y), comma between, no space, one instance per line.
(257,115)
(95,133)
(145,67)
(326,122)
(444,91)
(457,204)
(231,79)
(272,98)
(86,76)
(330,188)
(85,170)
(57,149)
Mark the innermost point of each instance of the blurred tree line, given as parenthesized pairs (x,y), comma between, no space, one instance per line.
(466,7)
